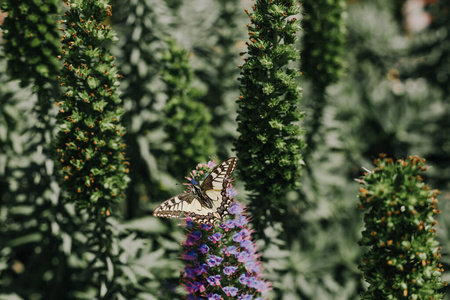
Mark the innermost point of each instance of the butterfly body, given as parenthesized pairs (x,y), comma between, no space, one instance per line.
(205,203)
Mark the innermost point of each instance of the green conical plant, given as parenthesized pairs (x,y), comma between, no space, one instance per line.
(90,147)
(403,257)
(322,61)
(187,121)
(269,145)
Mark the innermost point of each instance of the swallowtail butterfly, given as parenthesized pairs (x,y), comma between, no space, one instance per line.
(205,203)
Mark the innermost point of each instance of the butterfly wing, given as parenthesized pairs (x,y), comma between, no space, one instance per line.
(211,207)
(215,189)
(173,207)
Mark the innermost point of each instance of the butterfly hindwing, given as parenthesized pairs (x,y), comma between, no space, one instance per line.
(173,207)
(208,206)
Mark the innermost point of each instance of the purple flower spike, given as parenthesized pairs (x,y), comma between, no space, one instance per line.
(223,253)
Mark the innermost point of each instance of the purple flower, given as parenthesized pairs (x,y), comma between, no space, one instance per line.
(253,266)
(237,237)
(204,248)
(203,268)
(230,290)
(241,222)
(236,209)
(211,164)
(214,296)
(252,282)
(262,286)
(206,226)
(193,237)
(228,224)
(192,287)
(190,255)
(245,297)
(216,237)
(243,279)
(247,244)
(214,260)
(229,270)
(231,192)
(214,279)
(189,272)
(229,250)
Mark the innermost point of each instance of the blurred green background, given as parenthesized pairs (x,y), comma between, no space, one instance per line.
(392,96)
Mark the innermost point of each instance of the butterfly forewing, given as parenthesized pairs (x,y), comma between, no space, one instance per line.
(215,195)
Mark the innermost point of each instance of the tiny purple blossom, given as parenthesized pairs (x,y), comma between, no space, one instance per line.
(236,209)
(193,237)
(206,226)
(216,237)
(214,296)
(190,255)
(228,224)
(229,270)
(245,256)
(243,279)
(241,222)
(247,244)
(253,266)
(230,290)
(229,250)
(231,192)
(214,279)
(245,297)
(252,282)
(211,164)
(204,248)
(262,286)
(214,260)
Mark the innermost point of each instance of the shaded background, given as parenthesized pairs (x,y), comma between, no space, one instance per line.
(393,97)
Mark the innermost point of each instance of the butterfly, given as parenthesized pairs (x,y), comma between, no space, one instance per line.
(205,203)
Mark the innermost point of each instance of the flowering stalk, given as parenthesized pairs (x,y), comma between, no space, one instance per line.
(269,145)
(403,260)
(222,261)
(90,143)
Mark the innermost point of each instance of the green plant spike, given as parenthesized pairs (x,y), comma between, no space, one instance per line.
(403,257)
(268,145)
(90,146)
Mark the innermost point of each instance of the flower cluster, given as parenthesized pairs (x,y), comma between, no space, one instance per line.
(221,262)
